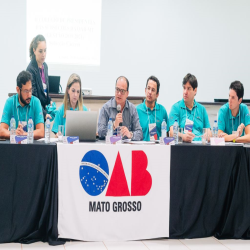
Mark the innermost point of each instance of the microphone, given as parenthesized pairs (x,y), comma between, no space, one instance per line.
(118,108)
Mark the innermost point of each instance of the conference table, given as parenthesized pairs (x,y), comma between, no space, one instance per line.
(28,193)
(209,191)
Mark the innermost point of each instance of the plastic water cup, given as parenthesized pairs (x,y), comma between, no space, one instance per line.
(180,133)
(204,136)
(60,133)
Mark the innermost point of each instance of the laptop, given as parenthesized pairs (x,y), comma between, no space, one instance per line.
(54,83)
(82,124)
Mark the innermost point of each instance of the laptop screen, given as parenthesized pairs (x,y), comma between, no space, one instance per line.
(82,124)
(54,83)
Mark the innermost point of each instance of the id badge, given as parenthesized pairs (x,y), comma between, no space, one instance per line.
(24,124)
(152,131)
(45,88)
(188,126)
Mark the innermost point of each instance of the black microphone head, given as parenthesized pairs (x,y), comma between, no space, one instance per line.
(118,108)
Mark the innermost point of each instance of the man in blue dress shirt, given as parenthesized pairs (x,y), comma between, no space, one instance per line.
(23,106)
(127,116)
(234,117)
(190,115)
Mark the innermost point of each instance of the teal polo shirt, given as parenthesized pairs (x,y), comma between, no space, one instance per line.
(147,115)
(228,123)
(198,115)
(13,107)
(60,120)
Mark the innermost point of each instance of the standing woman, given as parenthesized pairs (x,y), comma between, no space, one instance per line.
(39,71)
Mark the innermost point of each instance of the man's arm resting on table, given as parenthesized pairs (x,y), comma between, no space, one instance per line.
(188,137)
(171,132)
(246,137)
(227,137)
(4,131)
(39,131)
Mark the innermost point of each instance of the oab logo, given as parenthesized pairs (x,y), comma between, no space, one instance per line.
(94,172)
(94,175)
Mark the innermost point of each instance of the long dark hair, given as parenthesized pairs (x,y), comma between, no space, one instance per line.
(34,44)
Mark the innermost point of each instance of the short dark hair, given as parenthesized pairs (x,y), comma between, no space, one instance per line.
(123,78)
(191,79)
(22,78)
(238,87)
(155,79)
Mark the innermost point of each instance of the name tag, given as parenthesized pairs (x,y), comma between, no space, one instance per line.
(217,141)
(188,126)
(18,139)
(152,131)
(167,141)
(70,139)
(45,88)
(115,139)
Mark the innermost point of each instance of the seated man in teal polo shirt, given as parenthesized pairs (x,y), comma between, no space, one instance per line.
(22,106)
(234,117)
(190,115)
(151,114)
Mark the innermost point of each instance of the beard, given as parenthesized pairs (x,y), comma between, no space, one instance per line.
(24,101)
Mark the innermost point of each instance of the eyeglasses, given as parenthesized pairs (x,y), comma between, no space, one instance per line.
(26,91)
(122,91)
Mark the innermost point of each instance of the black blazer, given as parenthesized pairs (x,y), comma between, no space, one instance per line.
(37,85)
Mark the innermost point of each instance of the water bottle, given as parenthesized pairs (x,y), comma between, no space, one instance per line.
(12,124)
(215,129)
(12,129)
(47,131)
(176,130)
(110,127)
(30,137)
(163,129)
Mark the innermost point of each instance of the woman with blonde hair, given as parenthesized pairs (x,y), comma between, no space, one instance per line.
(72,101)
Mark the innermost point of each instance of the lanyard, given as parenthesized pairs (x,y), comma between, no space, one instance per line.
(233,123)
(191,113)
(42,72)
(148,116)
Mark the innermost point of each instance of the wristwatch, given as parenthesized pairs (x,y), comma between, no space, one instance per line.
(131,133)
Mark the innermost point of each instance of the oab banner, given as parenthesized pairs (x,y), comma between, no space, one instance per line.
(113,192)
